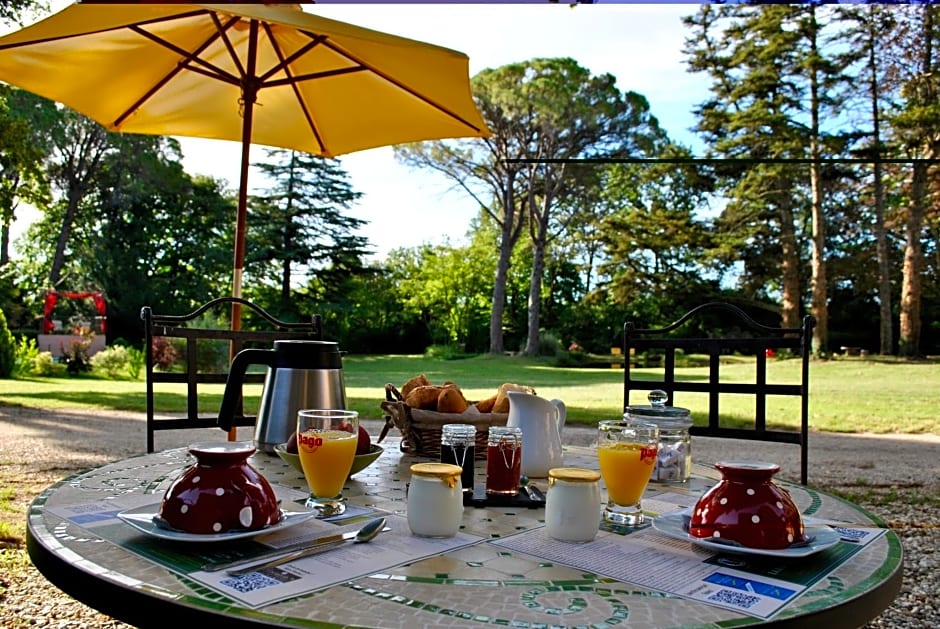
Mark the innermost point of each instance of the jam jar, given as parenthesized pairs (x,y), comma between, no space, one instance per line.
(573,504)
(435,500)
(458,447)
(674,461)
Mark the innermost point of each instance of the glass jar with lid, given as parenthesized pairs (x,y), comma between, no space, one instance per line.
(573,504)
(435,500)
(674,462)
(458,447)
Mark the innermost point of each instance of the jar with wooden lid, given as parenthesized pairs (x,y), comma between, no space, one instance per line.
(573,504)
(435,500)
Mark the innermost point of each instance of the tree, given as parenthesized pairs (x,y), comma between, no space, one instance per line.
(298,225)
(22,178)
(542,113)
(917,127)
(866,35)
(13,11)
(490,172)
(79,146)
(772,85)
(657,240)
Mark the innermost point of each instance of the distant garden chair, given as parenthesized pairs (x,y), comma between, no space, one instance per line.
(178,326)
(750,338)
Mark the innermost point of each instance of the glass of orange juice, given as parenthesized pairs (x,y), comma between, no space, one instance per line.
(326,445)
(626,452)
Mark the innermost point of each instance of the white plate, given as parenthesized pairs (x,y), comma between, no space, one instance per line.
(142,519)
(675,525)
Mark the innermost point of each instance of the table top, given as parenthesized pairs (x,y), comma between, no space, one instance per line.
(501,569)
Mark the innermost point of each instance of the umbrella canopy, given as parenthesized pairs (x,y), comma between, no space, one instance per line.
(254,73)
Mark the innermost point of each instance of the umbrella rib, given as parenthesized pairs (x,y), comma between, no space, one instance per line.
(329,44)
(159,20)
(285,64)
(189,60)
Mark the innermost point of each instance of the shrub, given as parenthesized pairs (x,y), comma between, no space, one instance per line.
(27,351)
(7,348)
(135,363)
(164,353)
(45,365)
(111,361)
(76,355)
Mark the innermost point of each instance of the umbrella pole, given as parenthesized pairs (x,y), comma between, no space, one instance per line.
(249,94)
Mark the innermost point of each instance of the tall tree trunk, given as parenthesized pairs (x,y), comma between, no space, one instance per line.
(886,330)
(499,291)
(820,288)
(789,266)
(911,280)
(4,243)
(535,297)
(58,258)
(911,283)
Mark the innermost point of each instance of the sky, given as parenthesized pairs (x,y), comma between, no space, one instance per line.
(640,44)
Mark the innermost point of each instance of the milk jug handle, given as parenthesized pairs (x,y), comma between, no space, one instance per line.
(560,413)
(236,377)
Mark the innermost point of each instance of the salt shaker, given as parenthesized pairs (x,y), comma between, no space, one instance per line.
(573,504)
(435,500)
(674,461)
(458,447)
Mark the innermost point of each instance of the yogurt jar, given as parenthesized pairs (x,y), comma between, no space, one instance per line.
(573,504)
(435,500)
(674,461)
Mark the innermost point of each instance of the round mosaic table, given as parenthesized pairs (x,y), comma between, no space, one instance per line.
(490,582)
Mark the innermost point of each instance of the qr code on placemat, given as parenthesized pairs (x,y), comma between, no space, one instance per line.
(250,582)
(736,599)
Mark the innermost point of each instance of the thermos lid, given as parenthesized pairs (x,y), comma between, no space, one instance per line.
(660,414)
(301,354)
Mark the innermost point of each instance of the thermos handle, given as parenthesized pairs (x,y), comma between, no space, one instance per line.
(236,377)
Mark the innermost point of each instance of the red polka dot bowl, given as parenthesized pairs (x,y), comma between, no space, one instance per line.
(747,508)
(220,493)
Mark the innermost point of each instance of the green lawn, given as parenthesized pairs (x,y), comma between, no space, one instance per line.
(850,395)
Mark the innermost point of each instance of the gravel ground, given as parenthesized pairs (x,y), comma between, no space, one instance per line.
(895,477)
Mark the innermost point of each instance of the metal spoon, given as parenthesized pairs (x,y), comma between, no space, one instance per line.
(534,493)
(368,532)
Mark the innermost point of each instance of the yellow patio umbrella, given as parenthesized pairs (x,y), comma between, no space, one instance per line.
(255,73)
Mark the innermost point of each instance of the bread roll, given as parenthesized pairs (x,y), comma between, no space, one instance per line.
(423,397)
(502,400)
(451,400)
(420,380)
(486,406)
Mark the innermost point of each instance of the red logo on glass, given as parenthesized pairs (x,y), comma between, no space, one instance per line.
(309,442)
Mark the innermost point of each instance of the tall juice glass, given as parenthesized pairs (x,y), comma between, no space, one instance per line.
(626,452)
(326,445)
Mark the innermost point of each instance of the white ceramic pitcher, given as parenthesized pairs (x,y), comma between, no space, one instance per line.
(541,422)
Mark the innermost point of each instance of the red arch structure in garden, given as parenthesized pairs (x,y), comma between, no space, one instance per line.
(52,297)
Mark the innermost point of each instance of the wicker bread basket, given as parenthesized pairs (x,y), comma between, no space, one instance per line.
(421,429)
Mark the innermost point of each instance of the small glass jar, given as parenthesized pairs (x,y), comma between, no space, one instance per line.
(458,447)
(573,504)
(503,460)
(674,461)
(435,500)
